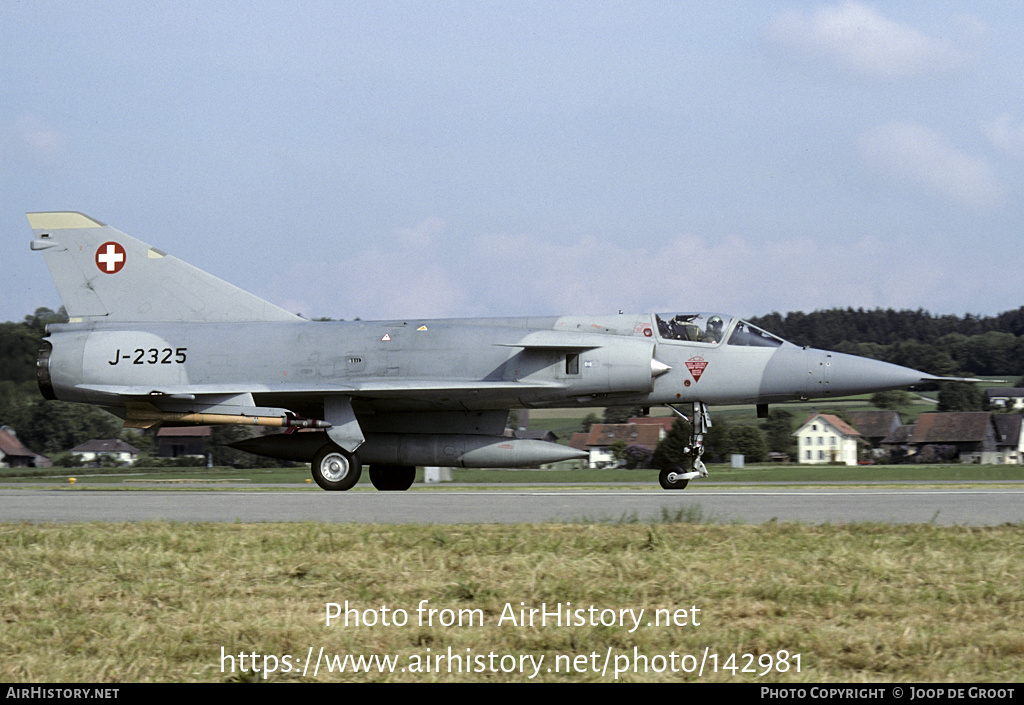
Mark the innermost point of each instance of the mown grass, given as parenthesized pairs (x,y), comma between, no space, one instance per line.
(158,601)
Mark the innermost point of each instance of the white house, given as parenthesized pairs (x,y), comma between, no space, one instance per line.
(1010,438)
(825,438)
(111,448)
(1009,398)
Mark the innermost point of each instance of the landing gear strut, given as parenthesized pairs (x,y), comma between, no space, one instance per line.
(675,477)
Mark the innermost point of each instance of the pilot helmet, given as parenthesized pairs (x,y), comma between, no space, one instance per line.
(715,324)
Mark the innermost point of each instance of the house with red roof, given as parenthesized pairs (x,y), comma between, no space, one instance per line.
(179,441)
(15,455)
(971,433)
(826,438)
(602,438)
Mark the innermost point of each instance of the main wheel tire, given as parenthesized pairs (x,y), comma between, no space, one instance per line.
(392,478)
(667,478)
(335,469)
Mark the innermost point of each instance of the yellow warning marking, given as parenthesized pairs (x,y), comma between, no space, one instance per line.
(61,221)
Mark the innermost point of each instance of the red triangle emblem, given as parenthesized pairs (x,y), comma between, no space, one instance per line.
(696,367)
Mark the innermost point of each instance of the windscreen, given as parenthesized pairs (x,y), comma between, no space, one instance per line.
(752,336)
(708,328)
(712,329)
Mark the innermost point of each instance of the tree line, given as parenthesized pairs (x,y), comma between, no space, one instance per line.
(943,345)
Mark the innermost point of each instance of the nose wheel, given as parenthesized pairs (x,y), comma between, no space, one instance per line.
(676,478)
(673,478)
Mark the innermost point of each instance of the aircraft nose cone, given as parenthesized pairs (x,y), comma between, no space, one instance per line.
(807,373)
(844,375)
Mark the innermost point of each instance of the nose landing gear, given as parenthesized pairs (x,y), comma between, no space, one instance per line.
(675,477)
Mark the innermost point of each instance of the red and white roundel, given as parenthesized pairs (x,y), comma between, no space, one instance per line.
(110,257)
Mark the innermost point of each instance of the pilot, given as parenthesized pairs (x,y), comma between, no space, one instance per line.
(714,332)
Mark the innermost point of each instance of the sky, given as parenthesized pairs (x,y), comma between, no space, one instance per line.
(446,159)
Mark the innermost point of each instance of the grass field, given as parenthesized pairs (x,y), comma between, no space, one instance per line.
(777,602)
(174,602)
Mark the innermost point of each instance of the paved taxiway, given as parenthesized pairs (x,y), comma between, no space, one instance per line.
(974,506)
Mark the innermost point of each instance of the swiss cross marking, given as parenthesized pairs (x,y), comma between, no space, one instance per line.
(110,257)
(696,367)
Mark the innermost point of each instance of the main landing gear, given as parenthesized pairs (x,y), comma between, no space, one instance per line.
(392,478)
(336,469)
(675,477)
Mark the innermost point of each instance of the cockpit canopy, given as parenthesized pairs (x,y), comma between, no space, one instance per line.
(712,329)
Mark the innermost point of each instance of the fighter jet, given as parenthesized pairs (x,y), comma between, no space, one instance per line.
(157,341)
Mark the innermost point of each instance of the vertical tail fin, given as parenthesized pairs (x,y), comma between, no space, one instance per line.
(103,274)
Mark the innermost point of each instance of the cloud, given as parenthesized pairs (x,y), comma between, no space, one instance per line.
(926,157)
(423,235)
(860,39)
(736,275)
(41,140)
(1005,135)
(377,283)
(500,274)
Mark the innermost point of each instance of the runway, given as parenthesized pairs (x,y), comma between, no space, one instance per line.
(974,506)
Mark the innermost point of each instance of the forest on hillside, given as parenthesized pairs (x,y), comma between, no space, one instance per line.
(944,345)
